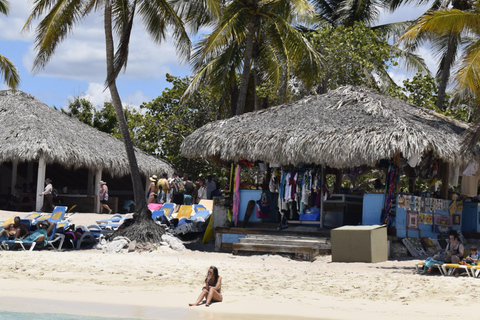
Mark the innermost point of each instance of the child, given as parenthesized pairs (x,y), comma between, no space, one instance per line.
(472,257)
(212,289)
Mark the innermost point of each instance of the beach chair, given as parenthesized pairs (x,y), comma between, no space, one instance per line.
(198,207)
(116,218)
(54,217)
(167,209)
(450,268)
(474,271)
(419,267)
(156,214)
(53,238)
(154,206)
(185,211)
(91,234)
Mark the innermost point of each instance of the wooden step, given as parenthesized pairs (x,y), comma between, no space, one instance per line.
(288,238)
(298,243)
(311,251)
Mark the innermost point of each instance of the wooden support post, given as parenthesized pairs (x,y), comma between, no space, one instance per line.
(42,167)
(444,174)
(14,177)
(98,178)
(338,180)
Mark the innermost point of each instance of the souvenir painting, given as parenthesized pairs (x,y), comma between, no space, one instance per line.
(401,201)
(439,204)
(442,223)
(453,207)
(427,204)
(432,205)
(417,203)
(421,218)
(428,218)
(446,203)
(422,204)
(412,203)
(456,219)
(459,206)
(407,202)
(412,220)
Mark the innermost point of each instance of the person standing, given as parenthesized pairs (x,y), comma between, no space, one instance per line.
(103,196)
(211,185)
(47,197)
(163,188)
(189,190)
(202,191)
(153,188)
(178,189)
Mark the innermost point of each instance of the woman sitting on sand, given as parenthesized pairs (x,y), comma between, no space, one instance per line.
(212,290)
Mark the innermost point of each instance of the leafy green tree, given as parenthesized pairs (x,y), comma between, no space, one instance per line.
(356,55)
(60,16)
(7,69)
(422,91)
(167,122)
(254,36)
(82,109)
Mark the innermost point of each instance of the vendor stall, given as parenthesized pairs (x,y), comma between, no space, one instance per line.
(344,129)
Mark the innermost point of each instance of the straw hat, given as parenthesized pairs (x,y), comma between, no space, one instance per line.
(153,178)
(102,183)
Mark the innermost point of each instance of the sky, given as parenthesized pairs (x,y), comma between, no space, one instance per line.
(77,69)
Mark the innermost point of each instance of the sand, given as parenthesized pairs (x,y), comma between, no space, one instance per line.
(159,285)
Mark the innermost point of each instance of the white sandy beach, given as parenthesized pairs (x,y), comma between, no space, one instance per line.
(159,285)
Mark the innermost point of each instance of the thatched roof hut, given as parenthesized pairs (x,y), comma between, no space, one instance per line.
(31,129)
(347,127)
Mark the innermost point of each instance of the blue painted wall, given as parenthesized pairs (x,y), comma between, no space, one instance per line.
(470,217)
(426,230)
(372,208)
(247,195)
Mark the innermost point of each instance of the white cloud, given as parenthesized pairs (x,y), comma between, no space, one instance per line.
(95,94)
(403,13)
(82,55)
(12,24)
(135,99)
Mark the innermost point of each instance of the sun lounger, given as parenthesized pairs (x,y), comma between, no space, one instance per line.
(116,218)
(54,217)
(53,238)
(450,268)
(167,209)
(420,267)
(185,211)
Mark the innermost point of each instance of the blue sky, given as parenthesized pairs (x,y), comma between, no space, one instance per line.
(78,66)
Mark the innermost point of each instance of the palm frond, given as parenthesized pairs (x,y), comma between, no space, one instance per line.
(9,72)
(4,6)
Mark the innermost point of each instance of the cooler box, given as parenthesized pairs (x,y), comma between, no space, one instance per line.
(359,244)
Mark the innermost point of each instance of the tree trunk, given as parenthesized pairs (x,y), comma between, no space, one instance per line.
(445,74)
(256,80)
(233,97)
(246,67)
(138,191)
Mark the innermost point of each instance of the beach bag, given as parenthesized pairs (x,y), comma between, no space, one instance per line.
(263,207)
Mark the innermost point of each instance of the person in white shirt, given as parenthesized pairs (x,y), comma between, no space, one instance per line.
(47,197)
(202,191)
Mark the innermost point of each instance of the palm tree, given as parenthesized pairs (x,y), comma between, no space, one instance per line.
(259,33)
(444,23)
(446,45)
(7,69)
(158,17)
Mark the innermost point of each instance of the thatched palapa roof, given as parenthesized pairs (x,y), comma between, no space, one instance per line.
(31,129)
(347,127)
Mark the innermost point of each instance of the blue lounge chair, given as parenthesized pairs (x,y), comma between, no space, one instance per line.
(54,217)
(167,209)
(116,218)
(51,239)
(156,214)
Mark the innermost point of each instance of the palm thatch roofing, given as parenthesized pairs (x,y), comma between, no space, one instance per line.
(31,129)
(345,128)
